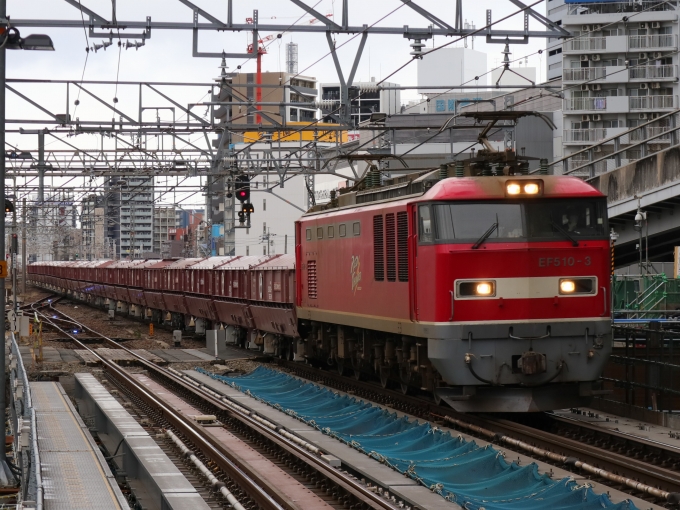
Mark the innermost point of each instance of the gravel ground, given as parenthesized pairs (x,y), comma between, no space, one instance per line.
(135,332)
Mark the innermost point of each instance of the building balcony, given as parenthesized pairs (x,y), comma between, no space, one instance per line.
(653,72)
(584,135)
(619,104)
(647,132)
(584,74)
(586,104)
(585,44)
(653,102)
(620,44)
(652,42)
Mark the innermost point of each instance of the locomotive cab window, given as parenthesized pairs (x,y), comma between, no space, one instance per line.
(517,220)
(356,228)
(331,232)
(308,234)
(319,233)
(342,230)
(424,224)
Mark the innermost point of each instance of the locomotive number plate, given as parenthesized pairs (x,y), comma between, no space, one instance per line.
(563,261)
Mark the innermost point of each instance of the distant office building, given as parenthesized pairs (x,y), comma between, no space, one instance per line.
(451,66)
(186,217)
(365,99)
(287,88)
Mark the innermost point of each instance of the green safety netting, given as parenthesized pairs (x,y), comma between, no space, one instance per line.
(476,477)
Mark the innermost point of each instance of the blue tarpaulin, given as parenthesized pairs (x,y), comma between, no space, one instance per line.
(473,476)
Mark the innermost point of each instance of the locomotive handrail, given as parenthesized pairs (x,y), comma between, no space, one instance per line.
(452,299)
(547,335)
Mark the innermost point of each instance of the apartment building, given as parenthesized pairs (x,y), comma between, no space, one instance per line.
(164,220)
(129,215)
(365,99)
(620,71)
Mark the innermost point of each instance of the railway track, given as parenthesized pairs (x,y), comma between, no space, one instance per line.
(652,477)
(346,490)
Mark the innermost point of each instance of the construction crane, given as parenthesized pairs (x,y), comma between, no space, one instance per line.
(262,50)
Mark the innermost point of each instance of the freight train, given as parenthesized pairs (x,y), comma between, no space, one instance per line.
(492,293)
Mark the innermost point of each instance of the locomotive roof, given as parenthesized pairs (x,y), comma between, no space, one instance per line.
(493,188)
(481,188)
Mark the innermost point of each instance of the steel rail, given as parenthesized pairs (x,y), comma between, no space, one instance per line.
(634,468)
(278,436)
(255,491)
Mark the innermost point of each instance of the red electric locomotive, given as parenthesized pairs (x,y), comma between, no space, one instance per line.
(492,292)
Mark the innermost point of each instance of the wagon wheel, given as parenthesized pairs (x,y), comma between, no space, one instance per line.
(356,365)
(340,363)
(384,375)
(404,378)
(437,399)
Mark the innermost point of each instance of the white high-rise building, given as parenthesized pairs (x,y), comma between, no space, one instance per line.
(617,74)
(452,66)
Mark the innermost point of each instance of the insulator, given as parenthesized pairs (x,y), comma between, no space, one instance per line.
(229,159)
(417,46)
(326,104)
(369,87)
(460,169)
(544,167)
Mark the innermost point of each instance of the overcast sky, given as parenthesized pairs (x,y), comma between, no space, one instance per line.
(167,55)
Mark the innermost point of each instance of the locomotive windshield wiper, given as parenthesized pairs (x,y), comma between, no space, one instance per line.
(564,233)
(486,235)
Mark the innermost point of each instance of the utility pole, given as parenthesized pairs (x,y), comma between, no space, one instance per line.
(3,64)
(24,259)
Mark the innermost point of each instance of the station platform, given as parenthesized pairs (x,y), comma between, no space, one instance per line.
(256,466)
(466,472)
(74,472)
(156,481)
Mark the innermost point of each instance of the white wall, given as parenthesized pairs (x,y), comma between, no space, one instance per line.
(279,216)
(452,66)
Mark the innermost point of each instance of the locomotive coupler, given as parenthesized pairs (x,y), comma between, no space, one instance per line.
(532,363)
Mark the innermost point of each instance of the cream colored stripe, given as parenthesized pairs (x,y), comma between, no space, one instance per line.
(528,288)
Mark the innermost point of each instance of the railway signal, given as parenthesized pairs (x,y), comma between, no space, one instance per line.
(242,188)
(9,206)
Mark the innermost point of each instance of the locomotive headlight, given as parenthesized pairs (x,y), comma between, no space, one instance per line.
(484,289)
(531,188)
(567,286)
(573,286)
(476,288)
(513,188)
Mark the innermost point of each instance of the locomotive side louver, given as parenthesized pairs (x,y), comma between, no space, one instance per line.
(311,279)
(378,249)
(402,245)
(390,232)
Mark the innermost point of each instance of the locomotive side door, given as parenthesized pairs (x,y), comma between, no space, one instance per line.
(421,298)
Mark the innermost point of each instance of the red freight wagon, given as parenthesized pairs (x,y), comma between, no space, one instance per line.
(135,281)
(272,296)
(231,305)
(154,277)
(202,286)
(175,282)
(274,280)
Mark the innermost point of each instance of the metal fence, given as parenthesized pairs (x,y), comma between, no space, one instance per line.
(24,428)
(644,369)
(639,142)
